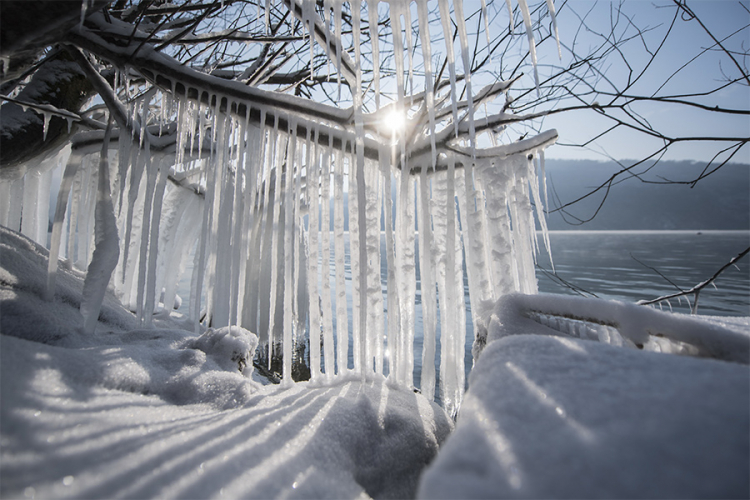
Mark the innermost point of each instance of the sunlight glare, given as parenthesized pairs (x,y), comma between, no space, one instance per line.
(395,121)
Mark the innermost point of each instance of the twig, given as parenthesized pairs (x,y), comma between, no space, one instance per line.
(697,288)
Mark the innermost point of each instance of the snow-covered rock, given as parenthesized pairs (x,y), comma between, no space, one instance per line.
(232,347)
(551,417)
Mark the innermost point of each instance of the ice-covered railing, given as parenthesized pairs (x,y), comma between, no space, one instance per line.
(279,204)
(612,322)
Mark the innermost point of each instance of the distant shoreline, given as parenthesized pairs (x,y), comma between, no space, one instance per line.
(704,232)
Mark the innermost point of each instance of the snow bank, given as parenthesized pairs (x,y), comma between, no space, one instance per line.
(25,313)
(549,417)
(99,423)
(142,413)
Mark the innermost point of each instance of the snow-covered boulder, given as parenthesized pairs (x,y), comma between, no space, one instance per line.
(552,417)
(232,347)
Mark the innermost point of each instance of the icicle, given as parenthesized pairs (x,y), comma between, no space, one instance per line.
(342,323)
(289,290)
(424,33)
(239,212)
(495,182)
(392,287)
(84,9)
(57,226)
(275,236)
(398,54)
(445,19)
(487,28)
(5,198)
(201,253)
(313,231)
(511,27)
(534,186)
(221,261)
(451,302)
(153,246)
(15,205)
(30,201)
(326,304)
(530,35)
(372,18)
(427,279)
(85,215)
(339,47)
(405,279)
(151,179)
(265,230)
(373,293)
(523,225)
(475,248)
(136,169)
(45,127)
(409,47)
(6,64)
(107,251)
(253,166)
(458,5)
(551,9)
(73,215)
(358,237)
(217,209)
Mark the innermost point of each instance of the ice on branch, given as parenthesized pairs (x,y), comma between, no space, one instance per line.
(280,205)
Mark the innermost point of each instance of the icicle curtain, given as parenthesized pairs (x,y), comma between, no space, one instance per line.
(310,225)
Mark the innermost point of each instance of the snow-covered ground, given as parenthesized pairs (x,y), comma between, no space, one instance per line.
(550,417)
(142,413)
(128,412)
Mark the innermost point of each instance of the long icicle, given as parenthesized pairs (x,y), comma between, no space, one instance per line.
(107,251)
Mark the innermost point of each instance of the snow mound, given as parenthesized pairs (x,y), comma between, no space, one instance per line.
(550,417)
(73,426)
(128,412)
(23,311)
(232,347)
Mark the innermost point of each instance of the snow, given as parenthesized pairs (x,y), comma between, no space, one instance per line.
(160,412)
(98,402)
(548,417)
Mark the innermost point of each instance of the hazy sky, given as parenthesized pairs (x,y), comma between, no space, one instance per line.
(687,40)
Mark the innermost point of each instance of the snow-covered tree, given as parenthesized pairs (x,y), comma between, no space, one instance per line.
(234,123)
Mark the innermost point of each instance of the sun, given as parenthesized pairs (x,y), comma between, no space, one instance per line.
(395,121)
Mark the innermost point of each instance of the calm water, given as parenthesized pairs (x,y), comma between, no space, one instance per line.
(604,263)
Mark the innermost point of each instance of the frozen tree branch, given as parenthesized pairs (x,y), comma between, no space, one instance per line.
(696,290)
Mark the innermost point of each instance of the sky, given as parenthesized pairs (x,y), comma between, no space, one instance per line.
(687,40)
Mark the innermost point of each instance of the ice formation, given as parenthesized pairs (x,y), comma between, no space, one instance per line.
(258,189)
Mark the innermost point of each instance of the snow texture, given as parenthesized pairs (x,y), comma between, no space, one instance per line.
(548,417)
(143,413)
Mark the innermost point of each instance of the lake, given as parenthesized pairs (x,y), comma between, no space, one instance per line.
(613,265)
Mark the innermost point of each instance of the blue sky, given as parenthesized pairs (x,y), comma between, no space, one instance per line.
(687,40)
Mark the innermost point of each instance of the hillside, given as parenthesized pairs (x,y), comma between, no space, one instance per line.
(720,201)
